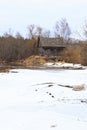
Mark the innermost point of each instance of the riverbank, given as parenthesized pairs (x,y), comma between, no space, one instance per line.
(39,62)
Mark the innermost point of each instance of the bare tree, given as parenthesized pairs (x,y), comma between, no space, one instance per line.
(85,29)
(31,31)
(34,31)
(46,33)
(62,29)
(18,35)
(39,31)
(42,32)
(9,33)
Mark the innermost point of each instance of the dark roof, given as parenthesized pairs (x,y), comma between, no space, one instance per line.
(51,42)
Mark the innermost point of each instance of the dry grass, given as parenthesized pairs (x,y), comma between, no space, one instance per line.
(35,60)
(79,87)
(71,55)
(4,70)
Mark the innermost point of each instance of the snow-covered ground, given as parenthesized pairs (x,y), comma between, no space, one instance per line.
(33,100)
(64,65)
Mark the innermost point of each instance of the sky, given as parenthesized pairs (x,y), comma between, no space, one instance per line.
(19,14)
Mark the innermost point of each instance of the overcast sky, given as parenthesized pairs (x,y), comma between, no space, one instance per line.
(18,14)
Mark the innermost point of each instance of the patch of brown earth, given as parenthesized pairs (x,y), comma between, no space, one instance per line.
(35,60)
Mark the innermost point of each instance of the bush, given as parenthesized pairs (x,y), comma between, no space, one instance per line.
(12,49)
(84,54)
(71,55)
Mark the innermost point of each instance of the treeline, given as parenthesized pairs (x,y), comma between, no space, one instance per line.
(12,48)
(17,48)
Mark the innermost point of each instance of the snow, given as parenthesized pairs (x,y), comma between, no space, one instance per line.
(64,65)
(33,100)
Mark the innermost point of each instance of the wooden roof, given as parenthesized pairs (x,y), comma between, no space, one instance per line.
(51,42)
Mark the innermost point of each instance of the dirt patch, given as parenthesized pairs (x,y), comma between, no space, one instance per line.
(35,60)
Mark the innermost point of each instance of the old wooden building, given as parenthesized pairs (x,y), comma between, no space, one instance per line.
(51,45)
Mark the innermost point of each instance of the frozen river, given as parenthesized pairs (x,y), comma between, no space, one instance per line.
(33,100)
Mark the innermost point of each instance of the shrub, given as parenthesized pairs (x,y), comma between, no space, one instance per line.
(12,49)
(71,55)
(84,54)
